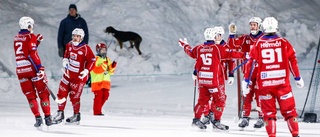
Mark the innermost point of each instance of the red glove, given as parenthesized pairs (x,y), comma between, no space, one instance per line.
(319,61)
(39,37)
(114,64)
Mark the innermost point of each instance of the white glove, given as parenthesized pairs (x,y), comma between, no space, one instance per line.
(232,29)
(230,80)
(299,82)
(65,62)
(245,88)
(183,42)
(83,73)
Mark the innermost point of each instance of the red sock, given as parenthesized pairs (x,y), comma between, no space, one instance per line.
(293,126)
(271,127)
(34,107)
(45,105)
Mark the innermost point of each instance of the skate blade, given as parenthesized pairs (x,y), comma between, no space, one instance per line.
(73,123)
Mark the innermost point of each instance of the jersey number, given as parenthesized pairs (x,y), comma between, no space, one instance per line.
(206,58)
(19,49)
(269,55)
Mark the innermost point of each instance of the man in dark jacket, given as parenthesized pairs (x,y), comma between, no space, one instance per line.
(67,25)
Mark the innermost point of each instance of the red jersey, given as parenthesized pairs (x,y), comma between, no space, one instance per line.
(227,64)
(208,62)
(25,49)
(275,58)
(244,43)
(80,57)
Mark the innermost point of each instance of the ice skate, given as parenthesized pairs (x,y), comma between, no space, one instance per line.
(59,116)
(259,123)
(48,121)
(206,119)
(74,119)
(216,124)
(38,122)
(198,123)
(243,123)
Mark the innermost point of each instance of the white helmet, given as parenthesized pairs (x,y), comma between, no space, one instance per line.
(209,34)
(258,21)
(218,30)
(78,31)
(270,25)
(26,22)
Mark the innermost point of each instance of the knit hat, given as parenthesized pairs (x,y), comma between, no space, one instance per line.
(73,6)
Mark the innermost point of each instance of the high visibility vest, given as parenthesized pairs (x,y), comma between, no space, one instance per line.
(100,74)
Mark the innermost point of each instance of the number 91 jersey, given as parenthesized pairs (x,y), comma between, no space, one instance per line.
(276,58)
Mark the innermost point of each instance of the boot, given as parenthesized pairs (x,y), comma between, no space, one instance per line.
(216,124)
(206,119)
(59,116)
(244,122)
(75,118)
(259,123)
(48,121)
(198,123)
(38,121)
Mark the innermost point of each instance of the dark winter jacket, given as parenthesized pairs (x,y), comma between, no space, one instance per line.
(67,25)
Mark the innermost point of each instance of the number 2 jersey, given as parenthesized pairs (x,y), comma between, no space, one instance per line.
(27,58)
(208,64)
(276,58)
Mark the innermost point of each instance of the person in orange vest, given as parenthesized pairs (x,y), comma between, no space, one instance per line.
(100,78)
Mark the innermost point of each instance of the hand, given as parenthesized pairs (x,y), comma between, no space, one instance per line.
(41,73)
(245,87)
(83,73)
(230,79)
(183,42)
(65,62)
(319,61)
(299,82)
(114,64)
(232,29)
(194,75)
(39,37)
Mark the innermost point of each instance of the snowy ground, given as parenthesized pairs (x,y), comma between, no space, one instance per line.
(138,106)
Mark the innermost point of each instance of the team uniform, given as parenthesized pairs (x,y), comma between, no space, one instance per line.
(245,43)
(80,59)
(275,58)
(210,75)
(28,68)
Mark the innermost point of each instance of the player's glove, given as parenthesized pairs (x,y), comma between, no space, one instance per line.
(230,79)
(65,62)
(183,42)
(83,73)
(232,29)
(41,73)
(114,64)
(39,37)
(245,87)
(299,82)
(194,75)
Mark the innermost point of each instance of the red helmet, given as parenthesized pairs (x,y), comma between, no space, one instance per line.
(99,46)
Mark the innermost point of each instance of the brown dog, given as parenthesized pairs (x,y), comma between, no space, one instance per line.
(123,36)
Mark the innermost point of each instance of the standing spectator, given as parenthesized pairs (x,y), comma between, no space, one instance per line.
(210,75)
(100,78)
(78,61)
(275,58)
(245,43)
(31,75)
(67,25)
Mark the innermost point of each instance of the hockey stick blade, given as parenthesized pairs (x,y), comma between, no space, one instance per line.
(60,101)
